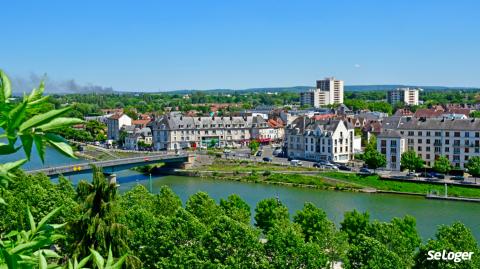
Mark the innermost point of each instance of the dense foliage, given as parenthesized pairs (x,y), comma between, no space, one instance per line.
(158,232)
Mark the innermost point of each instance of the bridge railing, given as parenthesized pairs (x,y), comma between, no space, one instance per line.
(108,163)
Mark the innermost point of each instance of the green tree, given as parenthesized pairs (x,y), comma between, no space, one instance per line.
(399,236)
(411,161)
(98,226)
(317,228)
(253,145)
(374,159)
(473,167)
(371,144)
(453,238)
(369,253)
(180,242)
(236,208)
(234,244)
(166,202)
(269,211)
(203,207)
(355,224)
(287,249)
(442,165)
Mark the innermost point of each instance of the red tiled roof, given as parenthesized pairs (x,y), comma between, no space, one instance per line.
(323,116)
(428,113)
(458,110)
(140,122)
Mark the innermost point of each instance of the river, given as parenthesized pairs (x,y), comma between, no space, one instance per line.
(429,213)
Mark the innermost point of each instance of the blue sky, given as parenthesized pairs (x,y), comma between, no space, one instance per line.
(166,45)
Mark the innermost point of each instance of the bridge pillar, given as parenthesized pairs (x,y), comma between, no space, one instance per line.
(189,163)
(112,178)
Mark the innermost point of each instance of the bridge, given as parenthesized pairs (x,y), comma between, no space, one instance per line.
(112,166)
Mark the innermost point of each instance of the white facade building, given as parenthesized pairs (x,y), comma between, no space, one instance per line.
(391,144)
(408,96)
(115,123)
(174,131)
(331,140)
(456,139)
(328,91)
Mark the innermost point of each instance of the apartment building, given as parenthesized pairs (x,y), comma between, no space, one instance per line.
(456,139)
(309,139)
(391,144)
(175,131)
(328,91)
(115,123)
(408,96)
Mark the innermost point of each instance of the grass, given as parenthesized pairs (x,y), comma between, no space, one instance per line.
(248,166)
(386,185)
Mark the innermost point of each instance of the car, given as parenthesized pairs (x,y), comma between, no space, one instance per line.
(277,152)
(267,159)
(427,175)
(439,176)
(365,171)
(259,153)
(330,166)
(412,174)
(459,178)
(296,163)
(344,167)
(323,162)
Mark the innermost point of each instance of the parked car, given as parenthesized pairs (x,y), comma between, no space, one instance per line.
(277,152)
(259,153)
(267,159)
(344,167)
(412,174)
(439,176)
(459,178)
(427,174)
(330,166)
(365,171)
(296,163)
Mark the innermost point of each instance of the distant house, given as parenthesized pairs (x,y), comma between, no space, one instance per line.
(115,123)
(314,140)
(133,140)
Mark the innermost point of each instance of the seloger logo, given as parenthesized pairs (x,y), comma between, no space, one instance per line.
(449,256)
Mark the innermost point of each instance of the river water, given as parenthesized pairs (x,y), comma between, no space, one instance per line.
(429,213)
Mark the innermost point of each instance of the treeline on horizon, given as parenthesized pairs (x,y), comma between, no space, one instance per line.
(157,231)
(92,103)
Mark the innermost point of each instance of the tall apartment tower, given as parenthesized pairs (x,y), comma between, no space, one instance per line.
(329,91)
(409,96)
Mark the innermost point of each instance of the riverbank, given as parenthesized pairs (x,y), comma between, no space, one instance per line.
(262,172)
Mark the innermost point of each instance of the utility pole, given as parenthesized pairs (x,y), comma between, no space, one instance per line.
(150,182)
